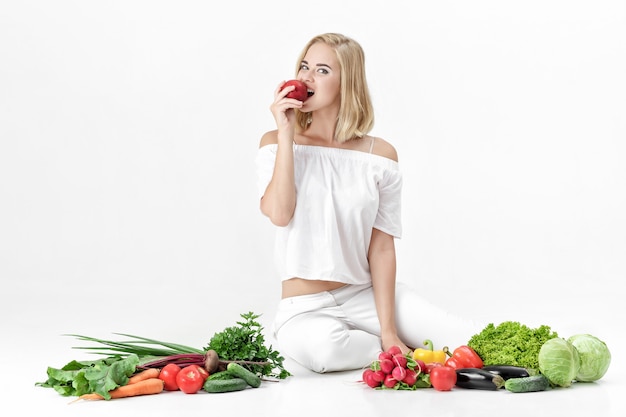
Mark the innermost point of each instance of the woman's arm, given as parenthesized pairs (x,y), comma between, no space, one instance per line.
(279,200)
(382,260)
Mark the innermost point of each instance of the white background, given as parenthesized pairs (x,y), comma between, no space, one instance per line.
(129,129)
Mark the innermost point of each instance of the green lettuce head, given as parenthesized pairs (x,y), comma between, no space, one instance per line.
(594,357)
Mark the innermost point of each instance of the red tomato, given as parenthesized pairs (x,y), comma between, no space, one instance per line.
(190,379)
(300,92)
(431,365)
(443,378)
(204,372)
(168,376)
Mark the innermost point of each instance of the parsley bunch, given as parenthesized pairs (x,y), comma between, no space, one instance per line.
(245,342)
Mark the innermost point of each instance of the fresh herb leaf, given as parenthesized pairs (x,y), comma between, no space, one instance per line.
(245,342)
(101,376)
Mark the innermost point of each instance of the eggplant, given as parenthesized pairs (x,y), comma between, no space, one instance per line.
(476,378)
(507,371)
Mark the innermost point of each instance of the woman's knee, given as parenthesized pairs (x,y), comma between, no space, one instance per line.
(336,349)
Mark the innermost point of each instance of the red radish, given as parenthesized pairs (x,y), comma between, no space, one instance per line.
(390,381)
(299,93)
(411,377)
(399,373)
(400,360)
(379,376)
(394,350)
(421,366)
(386,365)
(368,378)
(384,355)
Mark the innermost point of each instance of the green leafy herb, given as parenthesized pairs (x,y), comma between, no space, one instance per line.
(511,343)
(100,376)
(245,342)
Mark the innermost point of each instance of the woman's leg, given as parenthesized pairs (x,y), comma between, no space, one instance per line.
(322,342)
(315,331)
(418,319)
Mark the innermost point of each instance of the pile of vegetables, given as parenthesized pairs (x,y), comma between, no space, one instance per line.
(140,365)
(511,355)
(397,371)
(582,357)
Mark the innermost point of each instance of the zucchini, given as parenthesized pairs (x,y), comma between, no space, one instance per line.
(527,384)
(476,378)
(240,372)
(507,371)
(224,385)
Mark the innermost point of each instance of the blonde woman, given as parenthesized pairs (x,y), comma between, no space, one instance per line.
(334,194)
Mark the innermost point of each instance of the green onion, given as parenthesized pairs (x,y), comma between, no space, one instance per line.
(139,346)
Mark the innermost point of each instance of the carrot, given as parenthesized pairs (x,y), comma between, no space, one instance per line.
(145,387)
(143,375)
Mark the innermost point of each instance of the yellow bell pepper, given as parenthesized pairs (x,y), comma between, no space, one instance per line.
(428,355)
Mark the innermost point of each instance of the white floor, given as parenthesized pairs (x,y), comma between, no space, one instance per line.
(31,342)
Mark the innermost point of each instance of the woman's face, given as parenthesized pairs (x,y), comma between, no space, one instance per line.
(320,71)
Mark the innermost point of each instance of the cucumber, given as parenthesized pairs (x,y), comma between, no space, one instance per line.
(527,384)
(221,375)
(224,385)
(240,372)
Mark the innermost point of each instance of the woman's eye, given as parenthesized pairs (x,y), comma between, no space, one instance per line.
(304,67)
(322,70)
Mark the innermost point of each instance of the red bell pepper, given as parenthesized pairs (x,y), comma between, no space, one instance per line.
(463,357)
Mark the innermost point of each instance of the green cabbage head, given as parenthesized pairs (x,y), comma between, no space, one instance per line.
(594,357)
(559,361)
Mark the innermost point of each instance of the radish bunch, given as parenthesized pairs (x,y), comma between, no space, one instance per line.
(392,370)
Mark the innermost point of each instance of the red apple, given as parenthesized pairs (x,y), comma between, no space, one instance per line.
(300,91)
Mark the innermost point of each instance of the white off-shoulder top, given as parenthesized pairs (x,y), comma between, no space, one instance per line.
(340,196)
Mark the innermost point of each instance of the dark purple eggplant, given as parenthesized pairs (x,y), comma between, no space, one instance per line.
(476,378)
(507,371)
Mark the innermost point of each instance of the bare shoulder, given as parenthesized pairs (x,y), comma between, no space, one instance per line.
(269,138)
(384,148)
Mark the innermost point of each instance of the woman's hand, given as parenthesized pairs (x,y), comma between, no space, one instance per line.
(282,110)
(394,340)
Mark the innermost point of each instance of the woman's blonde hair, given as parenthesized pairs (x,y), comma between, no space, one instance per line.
(356,113)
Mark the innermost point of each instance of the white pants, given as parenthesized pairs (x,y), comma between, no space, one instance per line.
(339,330)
